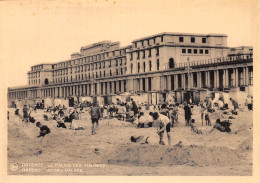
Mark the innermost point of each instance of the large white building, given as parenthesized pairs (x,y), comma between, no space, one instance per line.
(153,67)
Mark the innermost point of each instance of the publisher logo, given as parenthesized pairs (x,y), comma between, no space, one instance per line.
(14,167)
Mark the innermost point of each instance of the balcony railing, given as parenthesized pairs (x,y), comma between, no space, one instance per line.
(213,61)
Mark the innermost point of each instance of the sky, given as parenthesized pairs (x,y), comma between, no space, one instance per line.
(35,32)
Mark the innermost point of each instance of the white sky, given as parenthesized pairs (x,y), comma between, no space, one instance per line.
(49,31)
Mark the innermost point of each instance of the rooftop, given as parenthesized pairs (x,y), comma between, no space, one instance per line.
(180,34)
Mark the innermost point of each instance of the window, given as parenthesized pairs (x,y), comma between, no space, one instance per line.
(171,63)
(144,66)
(136,45)
(131,68)
(148,42)
(138,54)
(189,50)
(121,62)
(206,51)
(201,51)
(150,65)
(131,56)
(121,71)
(158,64)
(157,51)
(104,64)
(116,62)
(192,39)
(142,43)
(144,54)
(110,63)
(104,73)
(183,50)
(138,67)
(100,74)
(180,39)
(150,53)
(195,51)
(162,39)
(203,40)
(116,71)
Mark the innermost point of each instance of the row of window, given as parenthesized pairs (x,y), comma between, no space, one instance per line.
(89,59)
(35,68)
(193,39)
(118,72)
(87,67)
(144,66)
(34,75)
(149,41)
(181,39)
(195,51)
(93,66)
(143,53)
(35,81)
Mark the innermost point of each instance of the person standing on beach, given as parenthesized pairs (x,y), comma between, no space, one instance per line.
(135,108)
(164,125)
(187,113)
(95,116)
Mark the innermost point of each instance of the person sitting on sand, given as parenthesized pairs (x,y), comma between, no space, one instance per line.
(25,114)
(194,128)
(234,103)
(164,125)
(60,122)
(44,130)
(223,126)
(74,126)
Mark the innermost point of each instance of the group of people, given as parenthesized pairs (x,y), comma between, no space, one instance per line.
(164,117)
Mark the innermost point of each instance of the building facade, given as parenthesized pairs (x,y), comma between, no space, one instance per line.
(154,67)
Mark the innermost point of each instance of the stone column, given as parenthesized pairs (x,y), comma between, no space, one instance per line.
(122,86)
(87,90)
(227,78)
(141,84)
(129,84)
(191,81)
(199,81)
(169,83)
(236,77)
(224,78)
(74,91)
(217,77)
(60,92)
(182,81)
(246,75)
(208,78)
(84,90)
(146,85)
(71,90)
(113,91)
